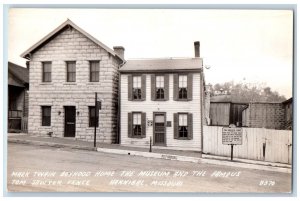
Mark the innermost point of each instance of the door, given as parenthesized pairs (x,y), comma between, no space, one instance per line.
(70,124)
(159,130)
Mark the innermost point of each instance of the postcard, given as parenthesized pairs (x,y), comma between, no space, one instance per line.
(194,100)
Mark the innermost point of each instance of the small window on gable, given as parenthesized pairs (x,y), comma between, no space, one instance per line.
(47,68)
(71,71)
(137,88)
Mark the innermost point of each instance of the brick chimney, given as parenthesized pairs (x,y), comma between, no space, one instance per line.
(197,48)
(119,50)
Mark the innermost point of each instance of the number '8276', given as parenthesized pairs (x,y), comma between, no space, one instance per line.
(267,183)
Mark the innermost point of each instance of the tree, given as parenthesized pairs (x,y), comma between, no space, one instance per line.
(249,92)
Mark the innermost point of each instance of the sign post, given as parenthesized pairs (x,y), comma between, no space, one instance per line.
(96,115)
(95,119)
(232,136)
(231,155)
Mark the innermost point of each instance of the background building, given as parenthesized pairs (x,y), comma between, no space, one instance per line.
(18,86)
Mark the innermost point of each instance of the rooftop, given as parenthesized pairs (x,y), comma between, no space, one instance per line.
(162,64)
(20,72)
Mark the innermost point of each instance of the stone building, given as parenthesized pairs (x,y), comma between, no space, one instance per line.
(269,115)
(288,107)
(66,68)
(162,99)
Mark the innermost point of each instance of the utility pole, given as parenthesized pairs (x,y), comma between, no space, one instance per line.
(95,119)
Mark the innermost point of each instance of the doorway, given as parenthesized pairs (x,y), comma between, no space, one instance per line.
(70,123)
(159,128)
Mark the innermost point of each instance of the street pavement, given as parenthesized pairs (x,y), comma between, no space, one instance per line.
(33,168)
(157,152)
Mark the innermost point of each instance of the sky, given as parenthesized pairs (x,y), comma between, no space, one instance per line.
(245,46)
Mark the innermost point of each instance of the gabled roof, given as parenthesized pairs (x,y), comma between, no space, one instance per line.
(157,65)
(290,100)
(19,72)
(57,30)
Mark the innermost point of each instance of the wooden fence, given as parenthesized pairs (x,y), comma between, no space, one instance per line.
(258,144)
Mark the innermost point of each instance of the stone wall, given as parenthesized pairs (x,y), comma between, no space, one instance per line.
(264,115)
(71,45)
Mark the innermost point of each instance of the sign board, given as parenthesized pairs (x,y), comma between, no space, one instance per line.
(232,135)
(149,123)
(169,124)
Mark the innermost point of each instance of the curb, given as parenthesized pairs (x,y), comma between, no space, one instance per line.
(51,144)
(195,160)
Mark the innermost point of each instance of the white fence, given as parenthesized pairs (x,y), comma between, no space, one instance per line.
(258,144)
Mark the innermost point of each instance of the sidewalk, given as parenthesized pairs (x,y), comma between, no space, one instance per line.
(186,156)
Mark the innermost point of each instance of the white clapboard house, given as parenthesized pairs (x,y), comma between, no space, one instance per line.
(162,99)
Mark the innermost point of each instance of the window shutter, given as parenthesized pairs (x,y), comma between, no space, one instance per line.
(143,122)
(190,86)
(175,126)
(130,85)
(143,85)
(129,124)
(166,87)
(153,87)
(190,126)
(175,86)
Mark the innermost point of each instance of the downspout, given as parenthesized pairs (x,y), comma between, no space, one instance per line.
(119,104)
(201,108)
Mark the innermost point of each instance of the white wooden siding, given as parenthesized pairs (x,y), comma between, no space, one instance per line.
(170,107)
(278,144)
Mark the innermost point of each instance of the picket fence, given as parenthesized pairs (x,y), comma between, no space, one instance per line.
(258,144)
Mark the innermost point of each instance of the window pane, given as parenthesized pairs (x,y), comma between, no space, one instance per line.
(71,67)
(160,93)
(182,119)
(47,66)
(47,77)
(94,71)
(46,71)
(46,115)
(137,130)
(137,82)
(137,119)
(159,81)
(182,81)
(183,132)
(159,119)
(137,93)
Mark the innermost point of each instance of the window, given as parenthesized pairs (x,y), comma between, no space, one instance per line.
(47,71)
(183,125)
(94,71)
(46,115)
(160,87)
(92,117)
(137,125)
(137,88)
(71,71)
(182,87)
